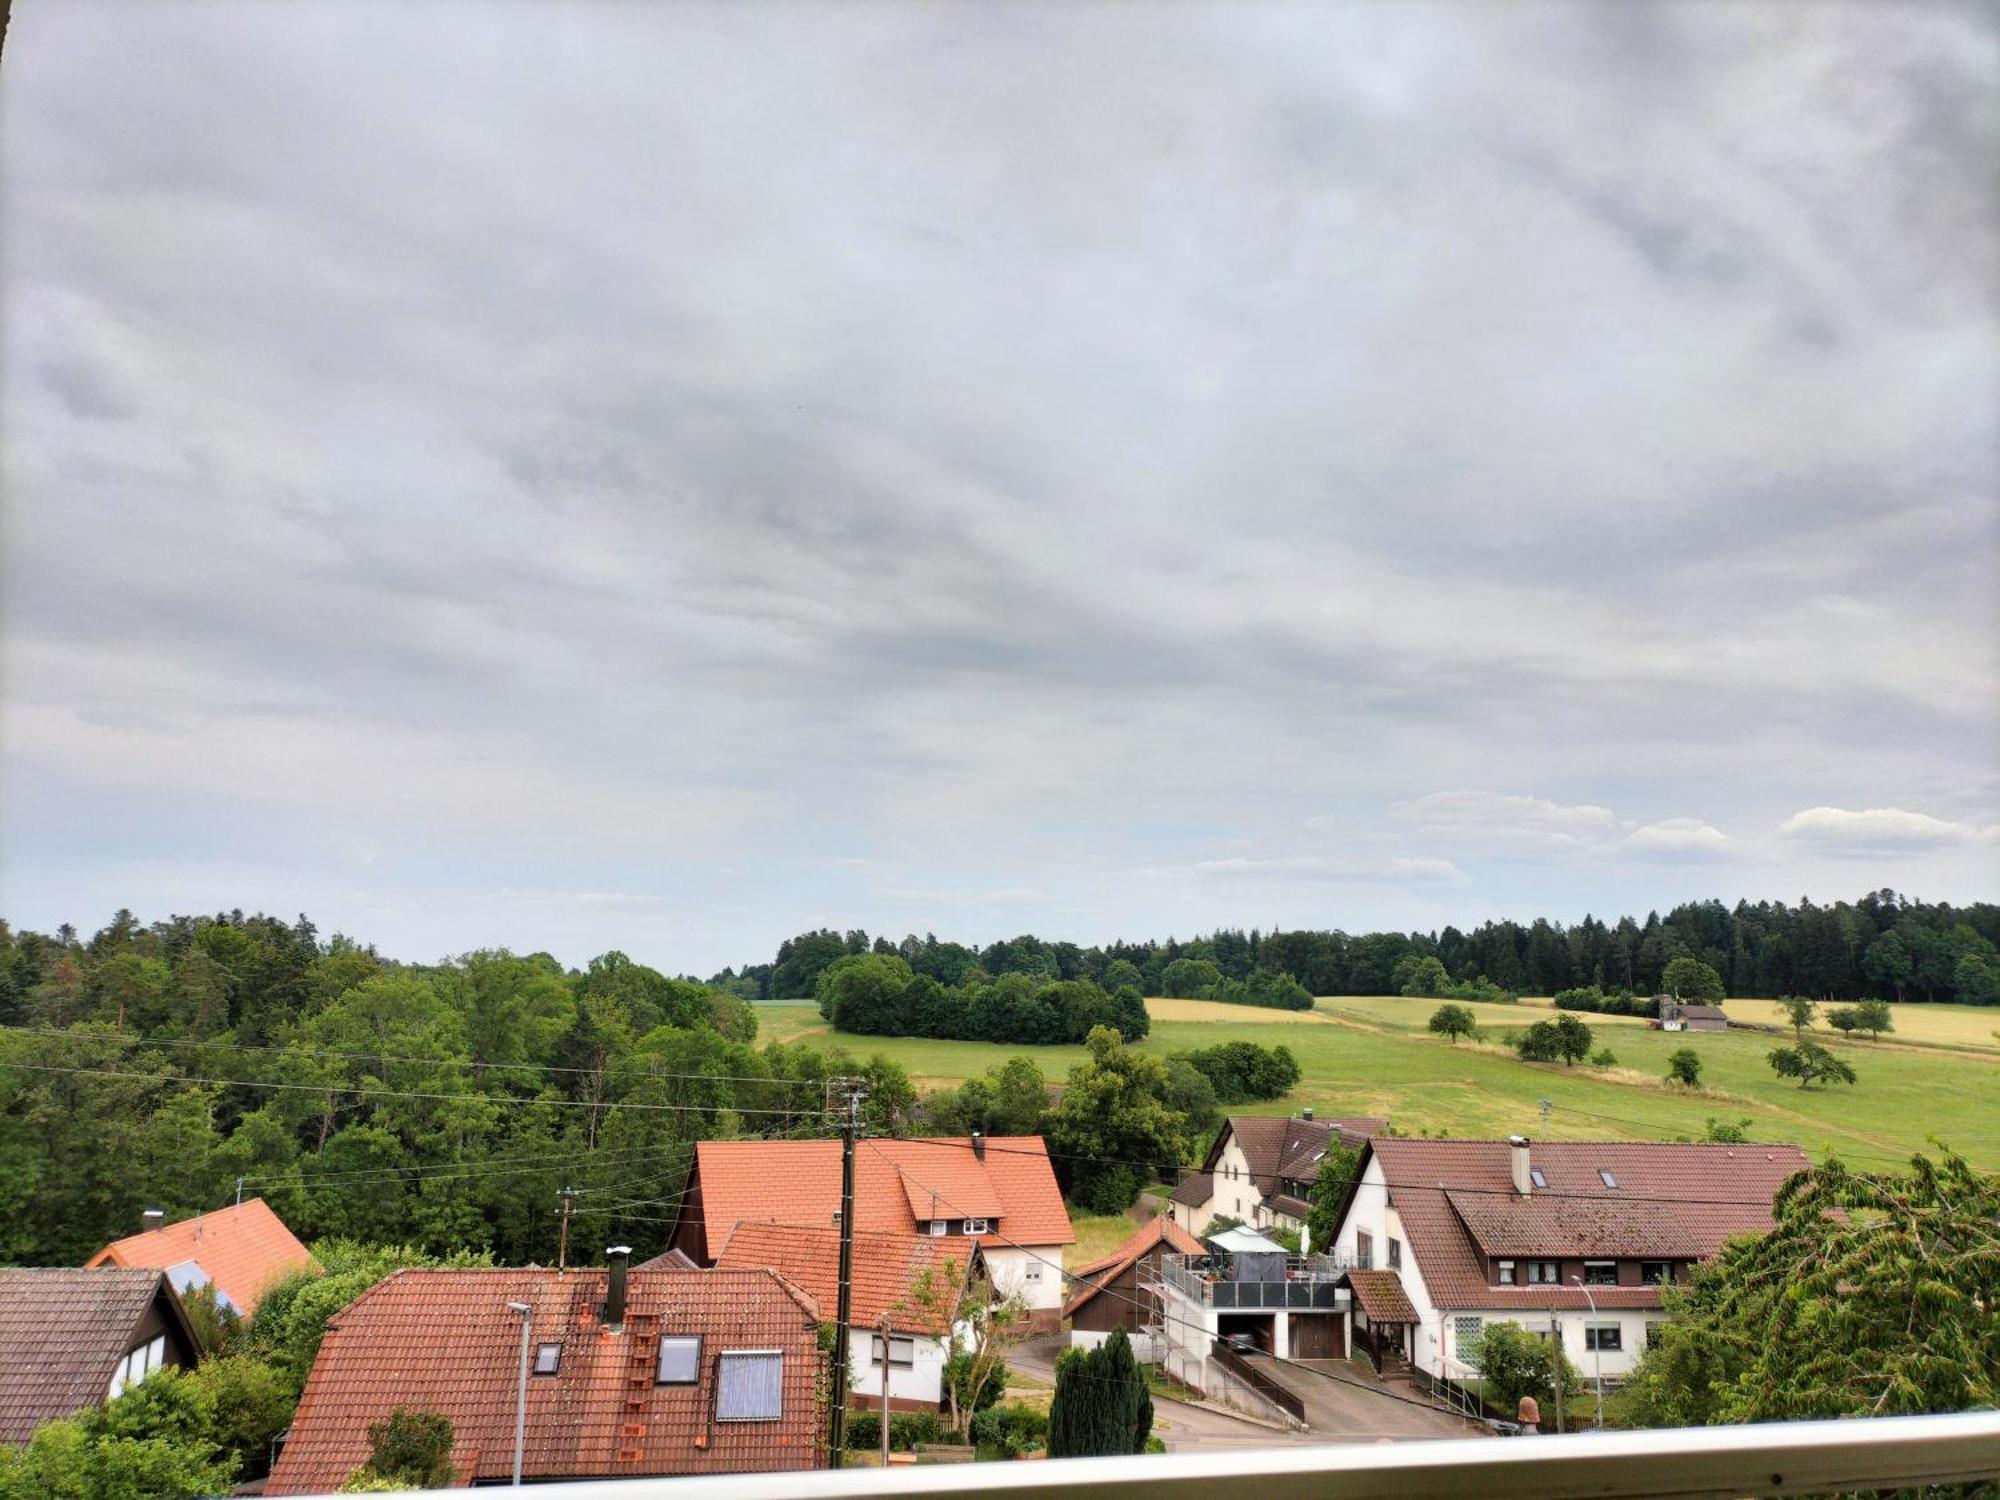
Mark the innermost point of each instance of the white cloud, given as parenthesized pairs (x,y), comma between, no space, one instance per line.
(1317,867)
(1876,830)
(1498,820)
(1678,838)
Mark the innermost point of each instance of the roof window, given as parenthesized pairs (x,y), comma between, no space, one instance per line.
(1539,1180)
(547,1358)
(1604,1175)
(680,1359)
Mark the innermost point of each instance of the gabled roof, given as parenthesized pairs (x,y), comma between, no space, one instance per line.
(1195,1189)
(1283,1146)
(798,1182)
(63,1332)
(887,1269)
(668,1260)
(446,1341)
(243,1249)
(1690,1197)
(1160,1233)
(1692,1012)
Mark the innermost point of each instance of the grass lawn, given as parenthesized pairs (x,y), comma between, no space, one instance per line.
(1097,1235)
(1371,1055)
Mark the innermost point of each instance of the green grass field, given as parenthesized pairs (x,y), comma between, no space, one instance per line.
(1371,1055)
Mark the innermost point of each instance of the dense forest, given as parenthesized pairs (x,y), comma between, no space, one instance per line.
(449,1106)
(1881,945)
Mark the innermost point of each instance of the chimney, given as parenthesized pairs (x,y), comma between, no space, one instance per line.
(619,1257)
(1518,1150)
(152,1218)
(979,1145)
(1306,1114)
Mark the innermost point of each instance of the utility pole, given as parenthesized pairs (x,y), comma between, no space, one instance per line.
(1556,1334)
(885,1390)
(568,1196)
(850,1127)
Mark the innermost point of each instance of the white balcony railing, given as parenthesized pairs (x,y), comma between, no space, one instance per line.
(1720,1462)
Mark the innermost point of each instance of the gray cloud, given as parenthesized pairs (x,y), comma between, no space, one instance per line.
(666,452)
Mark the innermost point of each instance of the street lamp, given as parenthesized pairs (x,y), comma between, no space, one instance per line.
(1596,1349)
(521,1395)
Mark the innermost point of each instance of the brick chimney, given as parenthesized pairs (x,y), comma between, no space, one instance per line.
(618,1257)
(1517,1150)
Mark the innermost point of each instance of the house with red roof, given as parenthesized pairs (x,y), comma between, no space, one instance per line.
(996,1195)
(906,1289)
(629,1374)
(1574,1239)
(240,1250)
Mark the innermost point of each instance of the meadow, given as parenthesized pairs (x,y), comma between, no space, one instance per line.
(1371,1055)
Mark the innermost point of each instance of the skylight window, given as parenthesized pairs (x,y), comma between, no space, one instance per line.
(680,1359)
(1604,1174)
(1536,1174)
(547,1358)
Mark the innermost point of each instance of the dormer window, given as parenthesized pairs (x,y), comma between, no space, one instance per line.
(978,1226)
(1600,1273)
(939,1228)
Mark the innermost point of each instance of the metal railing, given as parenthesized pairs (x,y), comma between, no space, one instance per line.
(1210,1280)
(1713,1463)
(1259,1381)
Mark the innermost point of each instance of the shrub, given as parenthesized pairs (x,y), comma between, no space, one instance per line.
(1603,1057)
(1011,1430)
(1588,998)
(907,1430)
(1513,1362)
(1684,1066)
(411,1446)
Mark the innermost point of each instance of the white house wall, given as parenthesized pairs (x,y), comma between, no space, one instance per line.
(1236,1192)
(921,1380)
(1032,1272)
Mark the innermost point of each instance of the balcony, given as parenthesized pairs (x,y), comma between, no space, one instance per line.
(1715,1463)
(1244,1283)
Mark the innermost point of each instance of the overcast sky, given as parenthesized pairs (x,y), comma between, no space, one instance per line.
(662,477)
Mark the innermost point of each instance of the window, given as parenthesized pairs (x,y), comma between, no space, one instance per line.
(1033,1272)
(1600,1273)
(1465,1333)
(902,1352)
(1656,1272)
(1535,1175)
(1604,1176)
(547,1357)
(1544,1273)
(1395,1255)
(680,1359)
(750,1387)
(1506,1273)
(940,1227)
(140,1363)
(978,1226)
(1364,1250)
(1606,1337)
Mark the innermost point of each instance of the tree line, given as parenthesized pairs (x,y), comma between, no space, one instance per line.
(1883,944)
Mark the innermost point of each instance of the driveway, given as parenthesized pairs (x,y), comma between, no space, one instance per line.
(1346,1402)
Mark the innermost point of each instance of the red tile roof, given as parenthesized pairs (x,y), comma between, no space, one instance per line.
(798,1182)
(243,1249)
(1690,1196)
(445,1341)
(887,1269)
(1381,1296)
(63,1332)
(668,1260)
(1155,1233)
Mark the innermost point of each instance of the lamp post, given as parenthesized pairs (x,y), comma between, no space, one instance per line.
(1597,1351)
(521,1393)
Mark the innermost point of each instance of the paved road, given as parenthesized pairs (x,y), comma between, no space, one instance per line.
(1346,1402)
